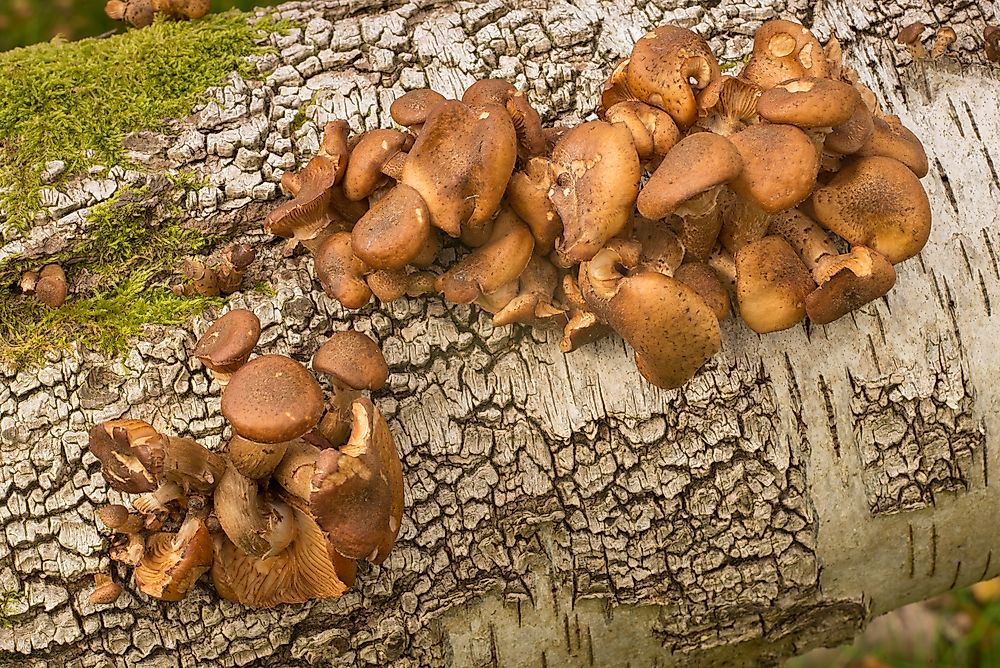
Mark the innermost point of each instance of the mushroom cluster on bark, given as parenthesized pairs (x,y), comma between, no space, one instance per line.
(786,186)
(309,483)
(141,13)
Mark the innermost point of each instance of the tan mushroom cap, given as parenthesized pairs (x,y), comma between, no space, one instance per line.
(878,203)
(668,65)
(780,165)
(527,122)
(389,286)
(784,50)
(182,9)
(357,491)
(705,281)
(809,103)
(697,164)
(848,282)
(660,249)
(353,360)
(370,155)
(413,107)
(533,305)
(138,13)
(173,562)
(597,174)
(771,285)
(497,262)
(106,590)
(131,454)
(273,399)
(891,139)
(51,288)
(653,130)
(394,231)
(848,138)
(226,345)
(810,241)
(341,272)
(615,90)
(528,195)
(461,163)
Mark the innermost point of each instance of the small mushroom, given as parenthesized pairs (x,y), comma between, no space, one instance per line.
(51,288)
(106,590)
(597,172)
(137,13)
(394,231)
(226,345)
(910,38)
(528,195)
(771,285)
(128,545)
(784,50)
(848,282)
(653,130)
(943,40)
(357,491)
(780,165)
(173,562)
(376,155)
(273,399)
(991,35)
(353,362)
(131,454)
(891,139)
(878,203)
(233,266)
(412,108)
(341,272)
(532,305)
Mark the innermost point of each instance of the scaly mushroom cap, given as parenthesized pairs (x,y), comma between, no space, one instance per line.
(106,590)
(341,272)
(878,203)
(357,491)
(173,562)
(668,65)
(528,195)
(131,454)
(307,569)
(697,164)
(810,241)
(254,460)
(497,262)
(226,345)
(848,282)
(353,360)
(51,288)
(596,172)
(259,527)
(671,329)
(771,285)
(369,157)
(412,108)
(461,163)
(891,139)
(784,50)
(653,130)
(780,165)
(394,231)
(848,138)
(273,399)
(705,281)
(809,103)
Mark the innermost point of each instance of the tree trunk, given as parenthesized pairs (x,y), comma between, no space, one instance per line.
(561,511)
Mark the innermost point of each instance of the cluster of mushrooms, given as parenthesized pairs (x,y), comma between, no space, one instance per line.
(219,274)
(141,13)
(786,185)
(307,485)
(912,37)
(48,285)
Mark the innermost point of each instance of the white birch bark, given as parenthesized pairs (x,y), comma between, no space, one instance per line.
(560,510)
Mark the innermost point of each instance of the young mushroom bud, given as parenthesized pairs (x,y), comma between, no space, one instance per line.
(668,66)
(771,285)
(137,13)
(51,288)
(106,590)
(173,562)
(341,272)
(991,35)
(394,231)
(597,174)
(878,203)
(131,454)
(910,38)
(378,153)
(233,266)
(780,165)
(257,526)
(943,40)
(848,282)
(412,108)
(226,345)
(29,280)
(784,50)
(128,544)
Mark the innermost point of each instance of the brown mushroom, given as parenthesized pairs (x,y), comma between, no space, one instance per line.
(910,38)
(254,460)
(128,544)
(259,526)
(341,272)
(187,467)
(173,562)
(527,123)
(389,286)
(848,138)
(376,155)
(705,281)
(784,50)
(809,103)
(412,108)
(394,231)
(728,105)
(771,285)
(137,13)
(106,590)
(660,249)
(892,139)
(353,362)
(653,130)
(528,195)
(810,241)
(780,165)
(743,221)
(583,326)
(991,35)
(596,172)
(182,9)
(943,39)
(226,345)
(532,305)
(233,265)
(848,282)
(878,203)
(51,288)
(131,454)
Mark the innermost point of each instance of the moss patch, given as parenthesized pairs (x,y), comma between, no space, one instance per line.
(75,101)
(127,260)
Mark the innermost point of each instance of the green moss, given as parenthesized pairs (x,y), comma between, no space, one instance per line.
(128,261)
(75,101)
(8,599)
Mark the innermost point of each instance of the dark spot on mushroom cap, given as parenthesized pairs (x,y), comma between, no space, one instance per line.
(353,359)
(272,399)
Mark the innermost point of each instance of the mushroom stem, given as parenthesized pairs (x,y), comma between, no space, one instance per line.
(154,502)
(258,528)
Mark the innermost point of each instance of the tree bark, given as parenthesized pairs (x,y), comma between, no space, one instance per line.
(560,510)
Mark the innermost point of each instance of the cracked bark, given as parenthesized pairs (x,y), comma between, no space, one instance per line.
(560,510)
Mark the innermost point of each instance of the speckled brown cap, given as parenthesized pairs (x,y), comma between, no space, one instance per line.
(226,345)
(273,399)
(771,285)
(353,360)
(848,282)
(809,103)
(780,165)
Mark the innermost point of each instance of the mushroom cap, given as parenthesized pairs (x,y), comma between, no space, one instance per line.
(911,33)
(891,139)
(660,249)
(370,155)
(412,108)
(780,165)
(528,196)
(226,345)
(809,103)
(596,172)
(357,491)
(698,163)
(341,272)
(848,138)
(809,239)
(771,285)
(662,67)
(172,562)
(394,231)
(105,591)
(784,50)
(848,282)
(131,454)
(272,399)
(51,288)
(353,359)
(615,90)
(702,279)
(461,163)
(878,203)
(653,130)
(307,213)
